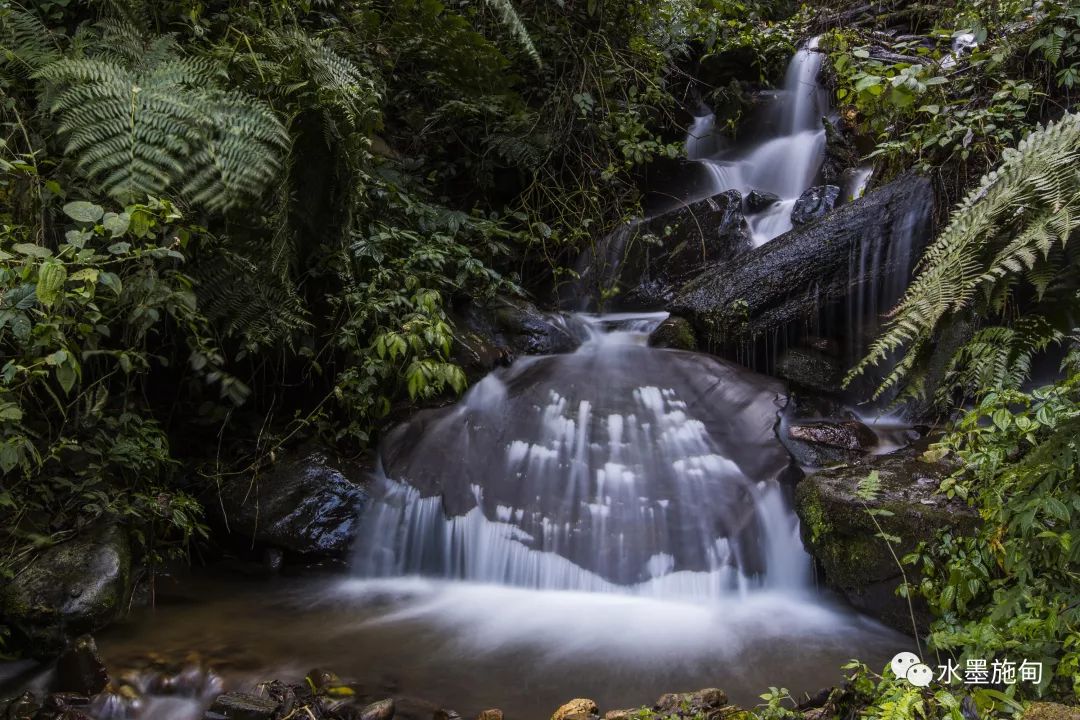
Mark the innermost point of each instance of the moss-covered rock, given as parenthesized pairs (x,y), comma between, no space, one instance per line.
(842,535)
(76,587)
(674,333)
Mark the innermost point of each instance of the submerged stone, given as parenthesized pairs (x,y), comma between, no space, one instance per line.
(242,706)
(381,710)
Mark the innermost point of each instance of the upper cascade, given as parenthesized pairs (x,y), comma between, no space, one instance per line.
(784,161)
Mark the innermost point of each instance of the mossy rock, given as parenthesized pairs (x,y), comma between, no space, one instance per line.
(842,535)
(1051,711)
(76,587)
(675,333)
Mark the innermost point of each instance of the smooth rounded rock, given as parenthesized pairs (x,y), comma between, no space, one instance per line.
(577,709)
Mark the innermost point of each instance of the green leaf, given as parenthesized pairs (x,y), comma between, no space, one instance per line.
(51,278)
(119,248)
(32,250)
(116,224)
(65,375)
(84,212)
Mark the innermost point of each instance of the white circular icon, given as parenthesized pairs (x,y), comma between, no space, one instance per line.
(920,675)
(903,662)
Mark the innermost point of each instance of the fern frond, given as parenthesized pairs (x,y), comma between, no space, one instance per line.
(25,43)
(513,23)
(141,119)
(1019,213)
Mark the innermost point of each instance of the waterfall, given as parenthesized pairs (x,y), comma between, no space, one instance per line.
(614,469)
(784,165)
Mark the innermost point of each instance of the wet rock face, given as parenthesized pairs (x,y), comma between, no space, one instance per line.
(75,587)
(811,368)
(308,504)
(858,257)
(653,258)
(814,204)
(842,536)
(241,706)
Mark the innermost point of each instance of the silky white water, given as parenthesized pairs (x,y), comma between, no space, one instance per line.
(784,163)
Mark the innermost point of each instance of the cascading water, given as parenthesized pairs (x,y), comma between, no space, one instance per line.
(784,163)
(617,468)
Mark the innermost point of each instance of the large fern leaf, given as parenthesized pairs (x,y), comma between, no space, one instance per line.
(1000,232)
(150,120)
(513,23)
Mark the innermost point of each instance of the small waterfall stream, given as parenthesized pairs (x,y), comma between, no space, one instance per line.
(617,468)
(611,523)
(784,163)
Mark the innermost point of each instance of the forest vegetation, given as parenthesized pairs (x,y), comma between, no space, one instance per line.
(229,226)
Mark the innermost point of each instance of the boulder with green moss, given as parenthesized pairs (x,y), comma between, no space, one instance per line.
(76,587)
(843,536)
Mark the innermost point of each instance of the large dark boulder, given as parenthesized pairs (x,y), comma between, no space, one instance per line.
(307,503)
(823,443)
(855,263)
(843,536)
(76,587)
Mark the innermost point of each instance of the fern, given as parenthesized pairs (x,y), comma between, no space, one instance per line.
(998,358)
(141,119)
(25,43)
(1006,227)
(510,19)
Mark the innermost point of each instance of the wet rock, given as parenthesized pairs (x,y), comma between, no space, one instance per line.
(492,714)
(24,707)
(273,560)
(699,702)
(811,369)
(843,537)
(444,714)
(81,669)
(381,710)
(492,332)
(661,253)
(65,706)
(758,200)
(814,204)
(75,587)
(785,286)
(242,706)
(1051,711)
(706,231)
(577,709)
(820,444)
(674,333)
(308,503)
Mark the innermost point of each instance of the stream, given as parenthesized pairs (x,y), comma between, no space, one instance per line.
(611,523)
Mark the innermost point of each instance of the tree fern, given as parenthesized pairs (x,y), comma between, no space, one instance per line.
(142,119)
(1005,228)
